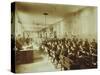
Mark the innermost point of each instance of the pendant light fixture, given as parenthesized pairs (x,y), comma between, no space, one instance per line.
(45,14)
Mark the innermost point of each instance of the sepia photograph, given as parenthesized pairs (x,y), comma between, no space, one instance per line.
(53,37)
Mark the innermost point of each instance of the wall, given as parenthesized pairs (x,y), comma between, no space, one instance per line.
(19,29)
(82,23)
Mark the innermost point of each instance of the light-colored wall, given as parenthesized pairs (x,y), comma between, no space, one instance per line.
(18,26)
(82,23)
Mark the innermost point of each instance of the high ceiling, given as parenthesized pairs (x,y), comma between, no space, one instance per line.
(32,17)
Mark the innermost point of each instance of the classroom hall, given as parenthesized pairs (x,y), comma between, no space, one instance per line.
(53,37)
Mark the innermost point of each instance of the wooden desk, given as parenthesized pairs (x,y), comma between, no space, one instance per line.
(24,56)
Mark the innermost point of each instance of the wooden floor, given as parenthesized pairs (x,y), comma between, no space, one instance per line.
(41,65)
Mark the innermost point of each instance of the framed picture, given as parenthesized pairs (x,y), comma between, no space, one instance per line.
(53,37)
